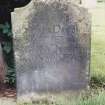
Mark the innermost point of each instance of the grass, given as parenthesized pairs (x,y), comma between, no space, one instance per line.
(98,46)
(91,98)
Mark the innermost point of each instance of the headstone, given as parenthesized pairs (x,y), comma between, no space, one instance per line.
(52,48)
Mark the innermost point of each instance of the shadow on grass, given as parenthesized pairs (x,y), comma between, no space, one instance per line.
(97,82)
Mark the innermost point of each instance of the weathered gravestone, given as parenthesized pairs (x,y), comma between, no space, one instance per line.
(52,49)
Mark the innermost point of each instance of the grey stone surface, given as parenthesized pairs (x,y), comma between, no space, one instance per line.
(52,47)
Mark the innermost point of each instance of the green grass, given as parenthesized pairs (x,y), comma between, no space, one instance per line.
(87,99)
(94,100)
(98,57)
(98,46)
(98,54)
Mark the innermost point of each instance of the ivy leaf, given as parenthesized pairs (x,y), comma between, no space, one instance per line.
(7,47)
(5,31)
(5,28)
(7,25)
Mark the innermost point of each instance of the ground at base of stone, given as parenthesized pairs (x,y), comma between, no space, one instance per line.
(7,91)
(7,101)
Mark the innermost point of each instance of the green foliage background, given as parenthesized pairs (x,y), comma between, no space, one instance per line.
(8,53)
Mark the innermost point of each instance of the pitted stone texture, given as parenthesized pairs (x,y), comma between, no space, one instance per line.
(53,53)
